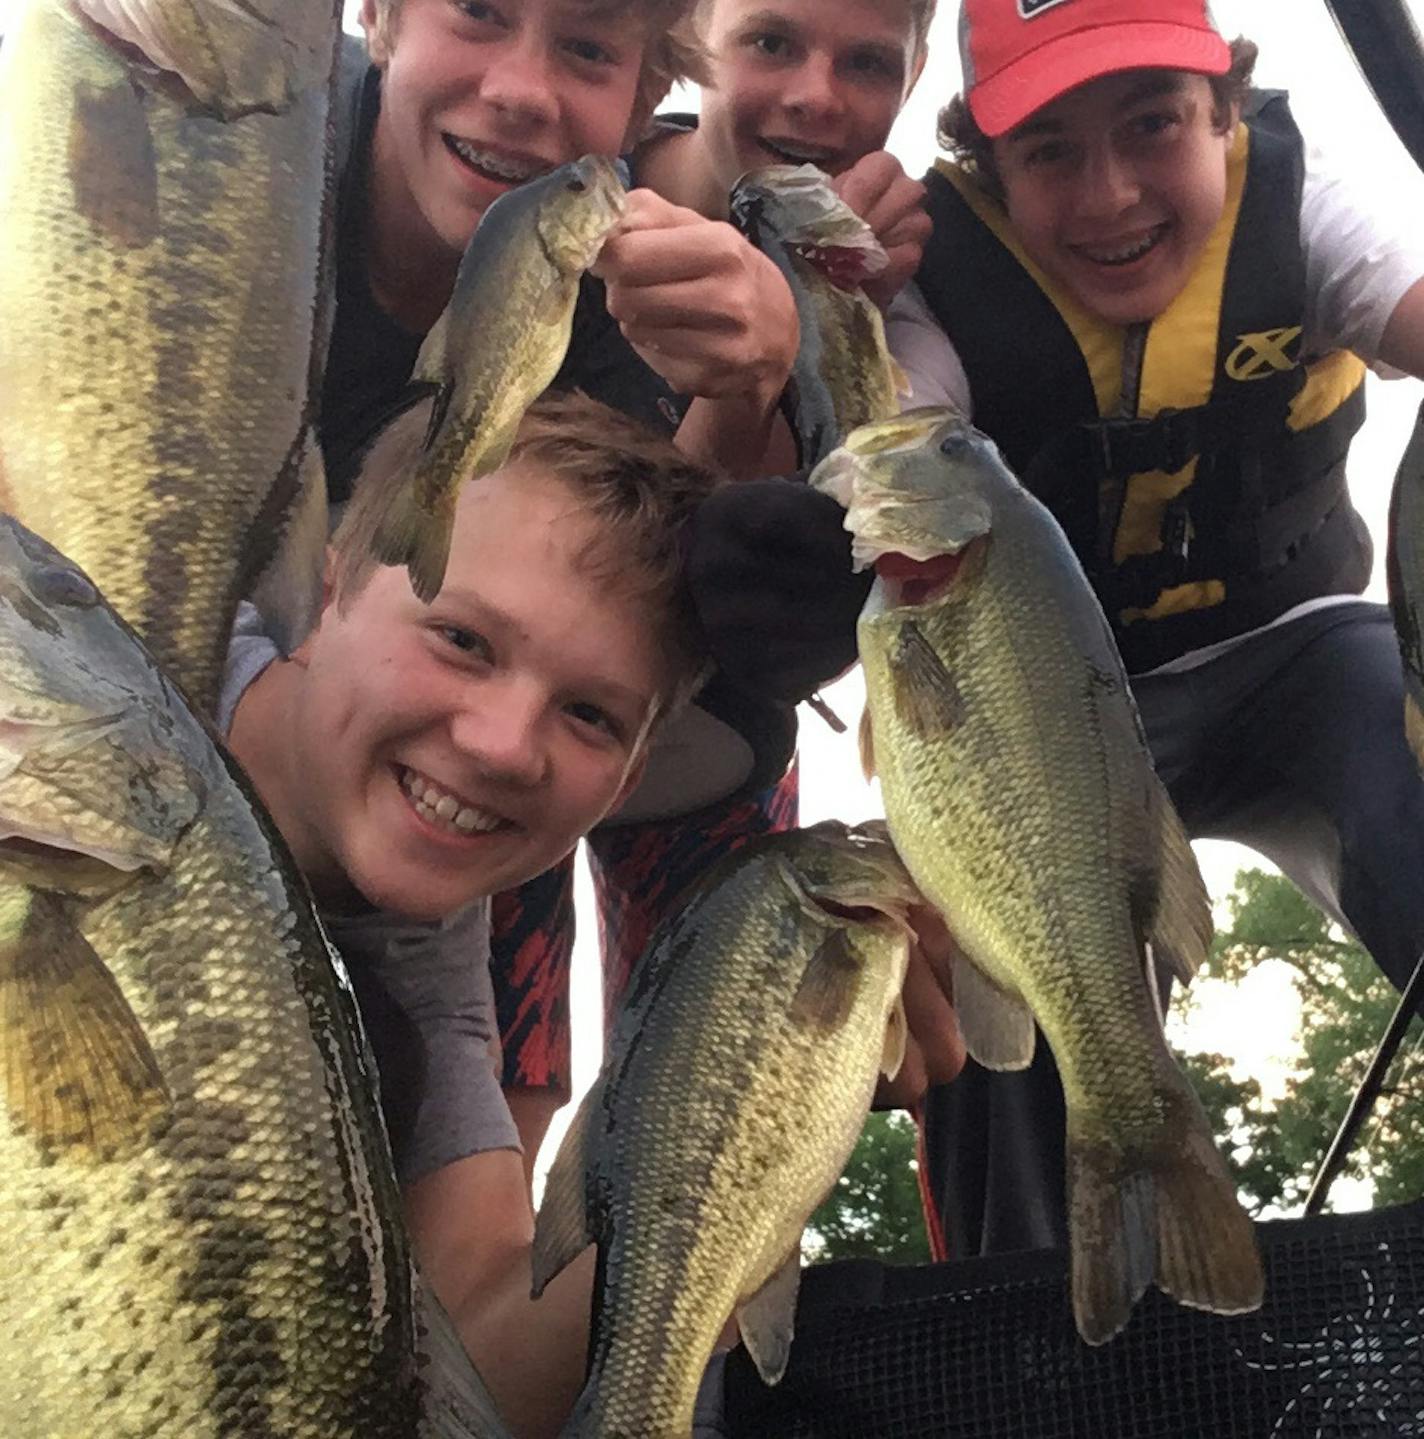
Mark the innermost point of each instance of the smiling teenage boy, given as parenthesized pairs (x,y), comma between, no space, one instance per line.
(418,758)
(1143,287)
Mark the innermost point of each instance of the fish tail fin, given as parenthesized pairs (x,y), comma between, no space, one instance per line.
(1175,1218)
(1414,727)
(387,521)
(1207,1254)
(1113,1222)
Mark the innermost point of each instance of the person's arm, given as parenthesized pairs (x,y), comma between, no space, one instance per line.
(1402,344)
(923,351)
(472,1228)
(714,317)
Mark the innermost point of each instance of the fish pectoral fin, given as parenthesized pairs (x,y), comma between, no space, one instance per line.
(561,1228)
(1180,927)
(388,520)
(79,1072)
(288,592)
(897,1040)
(867,744)
(826,993)
(997,1026)
(926,697)
(768,1319)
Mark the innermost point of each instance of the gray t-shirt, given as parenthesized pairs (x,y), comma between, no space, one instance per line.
(424,992)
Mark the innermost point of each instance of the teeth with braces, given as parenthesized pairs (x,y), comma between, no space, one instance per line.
(798,154)
(1126,255)
(445,811)
(494,164)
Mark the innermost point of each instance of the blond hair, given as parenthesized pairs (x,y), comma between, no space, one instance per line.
(639,489)
(674,51)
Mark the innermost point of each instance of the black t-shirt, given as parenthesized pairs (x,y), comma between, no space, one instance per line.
(370,358)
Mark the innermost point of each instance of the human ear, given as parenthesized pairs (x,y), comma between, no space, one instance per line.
(377,33)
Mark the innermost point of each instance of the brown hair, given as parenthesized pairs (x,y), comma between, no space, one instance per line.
(674,51)
(640,490)
(922,13)
(961,136)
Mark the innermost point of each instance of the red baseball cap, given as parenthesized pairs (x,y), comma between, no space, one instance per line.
(1020,54)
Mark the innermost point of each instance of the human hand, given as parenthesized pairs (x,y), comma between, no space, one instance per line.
(699,303)
(934,1052)
(877,188)
(769,570)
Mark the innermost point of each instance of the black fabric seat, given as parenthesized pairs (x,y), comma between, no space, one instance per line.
(986,1349)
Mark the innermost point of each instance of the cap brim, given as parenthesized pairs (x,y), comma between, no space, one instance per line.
(1034,80)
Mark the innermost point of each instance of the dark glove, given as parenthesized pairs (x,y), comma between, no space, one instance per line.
(768,565)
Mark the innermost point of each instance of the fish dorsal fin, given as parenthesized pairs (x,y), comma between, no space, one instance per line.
(288,592)
(826,993)
(997,1026)
(768,1319)
(78,1071)
(897,1040)
(455,1403)
(561,1228)
(926,696)
(1180,930)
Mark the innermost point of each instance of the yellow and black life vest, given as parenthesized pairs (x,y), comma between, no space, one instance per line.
(1211,498)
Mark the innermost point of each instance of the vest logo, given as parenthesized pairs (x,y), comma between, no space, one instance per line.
(1257,356)
(1029,8)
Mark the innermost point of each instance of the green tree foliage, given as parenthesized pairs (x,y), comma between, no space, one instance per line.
(1346,1004)
(874,1210)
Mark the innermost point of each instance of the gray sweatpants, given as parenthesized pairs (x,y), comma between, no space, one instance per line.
(1291,743)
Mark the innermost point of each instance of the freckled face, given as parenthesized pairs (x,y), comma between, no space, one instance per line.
(1115,188)
(452,750)
(804,80)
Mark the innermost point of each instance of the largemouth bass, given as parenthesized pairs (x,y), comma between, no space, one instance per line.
(843,376)
(737,1080)
(162,197)
(496,348)
(1405,571)
(202,1226)
(1020,792)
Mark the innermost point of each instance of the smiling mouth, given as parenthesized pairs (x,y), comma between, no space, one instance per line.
(502,169)
(446,811)
(1126,253)
(796,152)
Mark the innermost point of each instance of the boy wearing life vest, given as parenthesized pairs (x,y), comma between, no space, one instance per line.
(1144,288)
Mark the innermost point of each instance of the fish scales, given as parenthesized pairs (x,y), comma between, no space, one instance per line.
(160,295)
(1019,790)
(708,1141)
(203,1228)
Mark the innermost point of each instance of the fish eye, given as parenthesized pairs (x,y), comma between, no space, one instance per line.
(56,585)
(576,185)
(954,444)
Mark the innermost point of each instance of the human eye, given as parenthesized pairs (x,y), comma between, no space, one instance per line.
(1150,125)
(596,719)
(479,11)
(770,44)
(875,64)
(590,51)
(1047,154)
(464,642)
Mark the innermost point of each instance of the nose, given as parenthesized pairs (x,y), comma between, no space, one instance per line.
(501,734)
(812,89)
(1108,182)
(520,84)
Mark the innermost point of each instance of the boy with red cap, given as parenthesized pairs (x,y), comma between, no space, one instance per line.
(1144,289)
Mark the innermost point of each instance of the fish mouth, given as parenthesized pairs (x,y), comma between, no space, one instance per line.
(502,167)
(445,810)
(796,152)
(910,583)
(1116,255)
